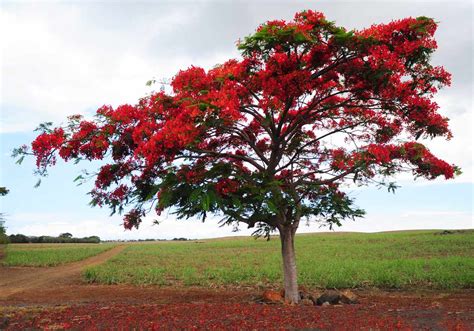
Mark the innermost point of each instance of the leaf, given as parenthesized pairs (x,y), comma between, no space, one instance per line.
(392,187)
(195,195)
(44,127)
(20,160)
(152,192)
(236,202)
(205,202)
(38,183)
(273,208)
(78,178)
(150,82)
(165,199)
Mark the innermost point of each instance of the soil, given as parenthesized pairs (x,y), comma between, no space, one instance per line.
(57,298)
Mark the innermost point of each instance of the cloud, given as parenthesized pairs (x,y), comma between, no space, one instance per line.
(64,60)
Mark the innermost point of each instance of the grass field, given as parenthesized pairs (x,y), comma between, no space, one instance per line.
(415,259)
(42,255)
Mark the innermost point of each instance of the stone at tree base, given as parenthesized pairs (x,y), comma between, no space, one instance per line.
(271,296)
(349,297)
(333,297)
(329,297)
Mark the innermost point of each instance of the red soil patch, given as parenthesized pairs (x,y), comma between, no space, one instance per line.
(234,309)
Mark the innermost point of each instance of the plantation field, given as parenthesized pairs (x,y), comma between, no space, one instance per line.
(42,255)
(411,259)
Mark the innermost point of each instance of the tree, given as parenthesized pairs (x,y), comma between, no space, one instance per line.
(18,239)
(3,236)
(65,235)
(268,140)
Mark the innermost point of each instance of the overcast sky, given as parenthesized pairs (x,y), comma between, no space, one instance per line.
(62,58)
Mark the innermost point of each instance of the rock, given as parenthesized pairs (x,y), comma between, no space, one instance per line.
(306,302)
(271,296)
(315,295)
(348,297)
(331,297)
(325,304)
(334,298)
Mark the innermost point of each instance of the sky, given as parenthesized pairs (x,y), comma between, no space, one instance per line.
(70,57)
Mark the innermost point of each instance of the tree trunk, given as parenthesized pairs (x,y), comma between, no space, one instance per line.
(287,235)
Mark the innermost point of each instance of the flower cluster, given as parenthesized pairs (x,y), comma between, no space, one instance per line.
(227,186)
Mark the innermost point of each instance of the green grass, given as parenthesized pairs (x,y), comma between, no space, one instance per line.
(43,255)
(415,259)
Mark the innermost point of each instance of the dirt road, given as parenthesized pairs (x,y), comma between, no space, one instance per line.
(16,280)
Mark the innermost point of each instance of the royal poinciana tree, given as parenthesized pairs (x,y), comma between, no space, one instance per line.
(267,140)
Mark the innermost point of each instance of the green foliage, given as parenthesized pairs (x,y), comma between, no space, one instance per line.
(412,259)
(257,199)
(45,127)
(3,236)
(3,191)
(65,235)
(270,36)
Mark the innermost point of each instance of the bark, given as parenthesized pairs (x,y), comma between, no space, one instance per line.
(287,235)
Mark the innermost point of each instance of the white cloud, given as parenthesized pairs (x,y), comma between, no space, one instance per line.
(57,63)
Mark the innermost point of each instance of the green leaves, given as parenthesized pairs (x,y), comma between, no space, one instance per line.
(150,82)
(271,205)
(341,36)
(165,199)
(270,36)
(20,160)
(44,127)
(205,201)
(38,183)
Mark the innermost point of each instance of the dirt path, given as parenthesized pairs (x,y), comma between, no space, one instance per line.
(15,280)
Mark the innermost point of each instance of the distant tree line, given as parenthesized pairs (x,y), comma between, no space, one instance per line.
(3,236)
(62,238)
(148,239)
